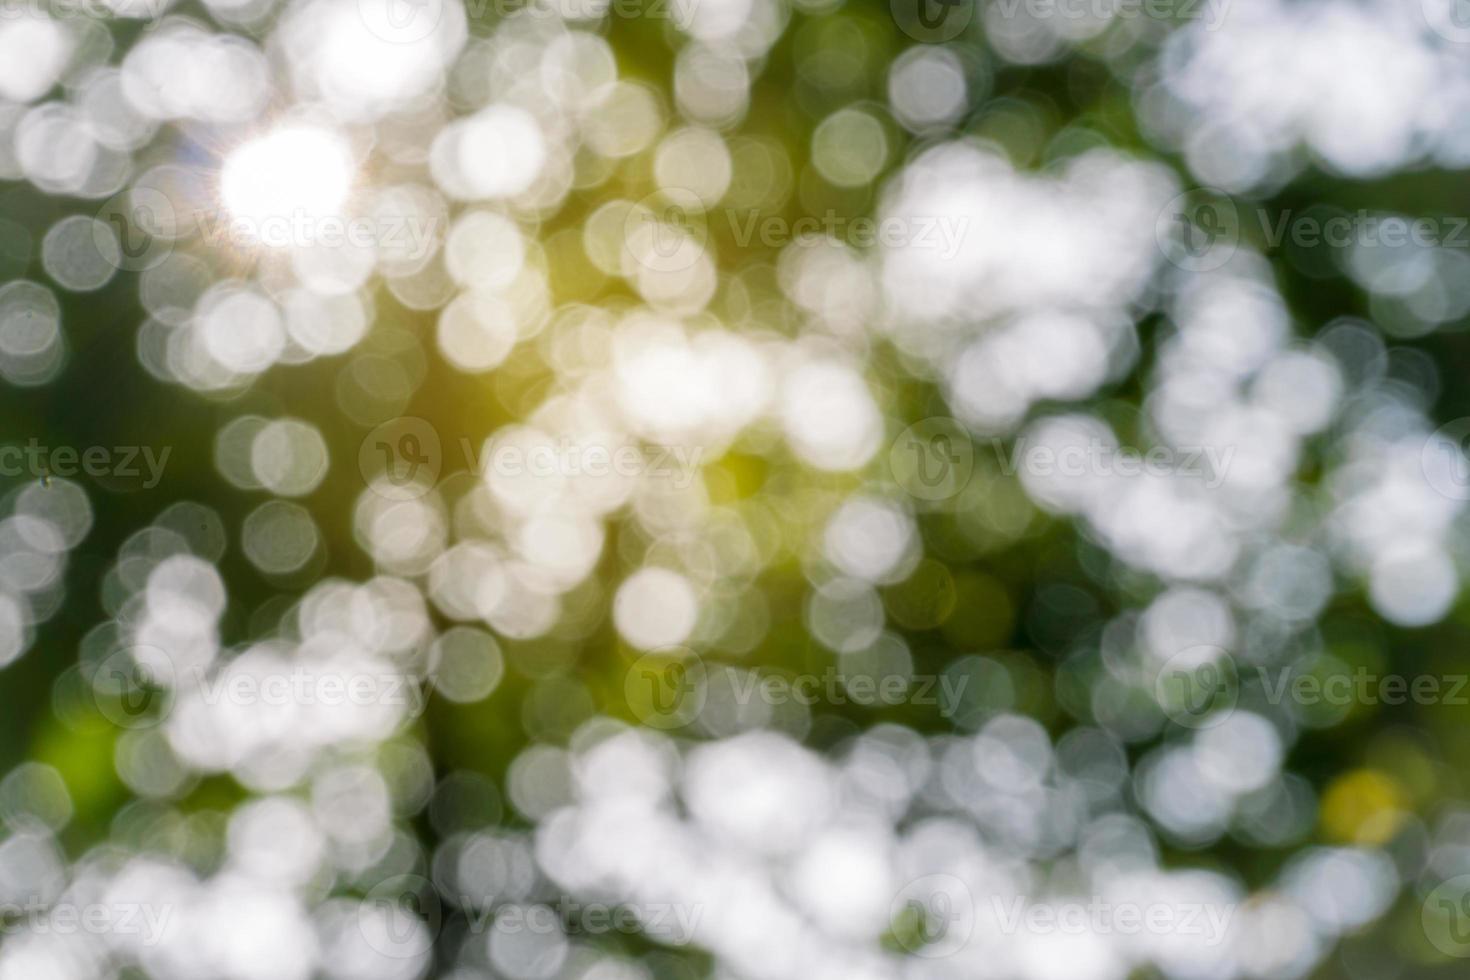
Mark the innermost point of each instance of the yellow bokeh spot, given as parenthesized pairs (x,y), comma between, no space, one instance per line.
(1363,807)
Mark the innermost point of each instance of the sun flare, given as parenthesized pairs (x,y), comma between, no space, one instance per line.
(300,172)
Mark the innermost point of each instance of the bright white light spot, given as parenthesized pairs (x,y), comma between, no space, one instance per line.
(33,53)
(655,607)
(296,172)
